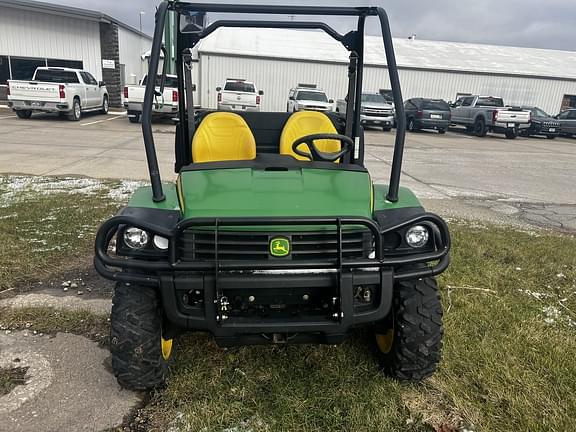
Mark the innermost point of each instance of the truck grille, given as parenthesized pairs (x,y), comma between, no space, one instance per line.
(377,112)
(195,245)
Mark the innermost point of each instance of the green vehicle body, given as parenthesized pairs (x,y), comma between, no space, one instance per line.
(245,192)
(272,248)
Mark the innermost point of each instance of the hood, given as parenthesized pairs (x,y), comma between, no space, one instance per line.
(546,119)
(247,192)
(377,106)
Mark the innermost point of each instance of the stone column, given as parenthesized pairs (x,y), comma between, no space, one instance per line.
(109,50)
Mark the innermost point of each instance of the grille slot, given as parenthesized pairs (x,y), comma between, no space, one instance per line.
(196,245)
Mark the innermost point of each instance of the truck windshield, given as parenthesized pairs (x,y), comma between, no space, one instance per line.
(56,76)
(490,102)
(239,86)
(168,81)
(311,96)
(435,105)
(376,98)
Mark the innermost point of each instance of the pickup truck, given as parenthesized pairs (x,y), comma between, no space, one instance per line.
(376,111)
(239,95)
(164,106)
(66,91)
(483,114)
(307,97)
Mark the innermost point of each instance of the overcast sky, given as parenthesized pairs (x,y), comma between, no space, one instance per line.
(527,23)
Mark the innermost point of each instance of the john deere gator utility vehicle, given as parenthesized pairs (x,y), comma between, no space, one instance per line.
(273,232)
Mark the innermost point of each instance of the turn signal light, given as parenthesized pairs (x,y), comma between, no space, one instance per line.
(257,100)
(125,92)
(174,95)
(61,91)
(219,97)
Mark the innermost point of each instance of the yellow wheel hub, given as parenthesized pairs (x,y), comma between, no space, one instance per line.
(385,341)
(166,348)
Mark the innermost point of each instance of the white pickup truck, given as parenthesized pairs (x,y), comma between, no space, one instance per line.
(66,91)
(163,106)
(483,114)
(239,95)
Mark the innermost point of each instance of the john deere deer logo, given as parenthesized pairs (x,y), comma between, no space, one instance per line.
(279,247)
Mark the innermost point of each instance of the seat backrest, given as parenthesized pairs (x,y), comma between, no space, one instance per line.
(304,123)
(223,136)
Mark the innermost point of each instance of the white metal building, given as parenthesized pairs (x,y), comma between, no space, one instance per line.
(36,34)
(279,59)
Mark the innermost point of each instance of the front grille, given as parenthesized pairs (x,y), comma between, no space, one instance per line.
(376,112)
(196,245)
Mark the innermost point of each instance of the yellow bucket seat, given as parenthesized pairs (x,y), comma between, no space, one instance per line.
(304,123)
(223,136)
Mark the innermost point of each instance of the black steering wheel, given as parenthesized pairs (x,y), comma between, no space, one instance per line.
(317,155)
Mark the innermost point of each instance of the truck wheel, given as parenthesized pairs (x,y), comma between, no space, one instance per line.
(410,340)
(134,117)
(550,137)
(441,131)
(76,111)
(140,354)
(104,109)
(480,129)
(24,114)
(511,133)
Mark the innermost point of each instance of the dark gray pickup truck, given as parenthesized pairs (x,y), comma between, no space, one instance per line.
(483,114)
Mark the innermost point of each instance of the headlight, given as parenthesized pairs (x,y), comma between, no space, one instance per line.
(417,236)
(161,242)
(135,238)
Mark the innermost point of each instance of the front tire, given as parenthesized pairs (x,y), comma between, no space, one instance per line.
(104,109)
(140,355)
(441,131)
(550,137)
(412,126)
(410,340)
(386,129)
(24,114)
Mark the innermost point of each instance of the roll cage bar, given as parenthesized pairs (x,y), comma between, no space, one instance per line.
(352,41)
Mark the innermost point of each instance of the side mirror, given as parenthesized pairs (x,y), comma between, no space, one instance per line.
(194,87)
(101,83)
(346,98)
(261,92)
(330,100)
(291,98)
(218,89)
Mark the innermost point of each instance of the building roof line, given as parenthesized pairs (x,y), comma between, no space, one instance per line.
(68,11)
(203,52)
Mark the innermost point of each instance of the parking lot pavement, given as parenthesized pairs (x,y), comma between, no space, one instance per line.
(100,146)
(527,178)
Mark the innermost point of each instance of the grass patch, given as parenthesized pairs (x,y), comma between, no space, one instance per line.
(10,378)
(508,362)
(49,321)
(509,352)
(47,223)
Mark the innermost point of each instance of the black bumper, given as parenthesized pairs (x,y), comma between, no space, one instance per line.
(217,284)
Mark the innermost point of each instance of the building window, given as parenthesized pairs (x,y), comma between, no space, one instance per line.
(23,68)
(73,64)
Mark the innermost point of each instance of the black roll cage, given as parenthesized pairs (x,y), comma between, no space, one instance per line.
(352,41)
